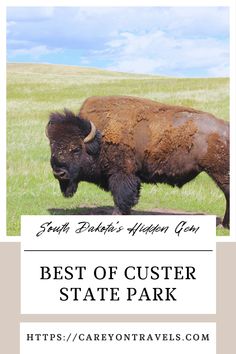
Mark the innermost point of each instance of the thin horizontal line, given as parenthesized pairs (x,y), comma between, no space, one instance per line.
(118,250)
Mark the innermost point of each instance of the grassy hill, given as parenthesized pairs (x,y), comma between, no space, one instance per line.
(34,90)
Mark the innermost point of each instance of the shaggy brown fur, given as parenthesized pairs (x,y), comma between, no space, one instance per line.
(139,140)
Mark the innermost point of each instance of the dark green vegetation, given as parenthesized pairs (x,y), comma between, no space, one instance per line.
(34,90)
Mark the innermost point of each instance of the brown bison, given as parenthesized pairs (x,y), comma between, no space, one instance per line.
(117,142)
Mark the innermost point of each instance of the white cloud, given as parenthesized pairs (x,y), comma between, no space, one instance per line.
(161,40)
(30,13)
(219,71)
(138,65)
(196,21)
(34,52)
(85,27)
(160,52)
(10,25)
(187,21)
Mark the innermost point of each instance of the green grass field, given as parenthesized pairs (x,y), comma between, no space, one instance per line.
(34,90)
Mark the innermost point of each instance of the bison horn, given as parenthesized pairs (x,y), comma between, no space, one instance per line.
(92,133)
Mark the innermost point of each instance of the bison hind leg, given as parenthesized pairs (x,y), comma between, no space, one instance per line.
(226,221)
(222,180)
(125,190)
(226,216)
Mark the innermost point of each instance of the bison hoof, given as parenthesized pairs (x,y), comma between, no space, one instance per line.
(222,225)
(117,211)
(226,226)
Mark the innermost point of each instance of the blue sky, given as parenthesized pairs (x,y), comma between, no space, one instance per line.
(173,41)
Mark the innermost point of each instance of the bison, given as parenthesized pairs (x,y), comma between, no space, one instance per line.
(117,142)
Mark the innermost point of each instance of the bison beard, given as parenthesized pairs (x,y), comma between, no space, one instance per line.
(118,142)
(68,188)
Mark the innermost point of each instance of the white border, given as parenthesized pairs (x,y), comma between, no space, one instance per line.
(118,3)
(232,237)
(3,122)
(114,3)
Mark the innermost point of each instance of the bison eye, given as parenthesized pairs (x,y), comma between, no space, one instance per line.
(76,151)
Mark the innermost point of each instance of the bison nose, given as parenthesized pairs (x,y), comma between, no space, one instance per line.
(60,173)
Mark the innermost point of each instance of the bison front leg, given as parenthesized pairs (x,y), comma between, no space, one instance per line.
(125,191)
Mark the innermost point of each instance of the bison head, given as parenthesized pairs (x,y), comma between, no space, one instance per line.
(74,146)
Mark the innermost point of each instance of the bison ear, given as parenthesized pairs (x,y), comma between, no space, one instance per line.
(46,130)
